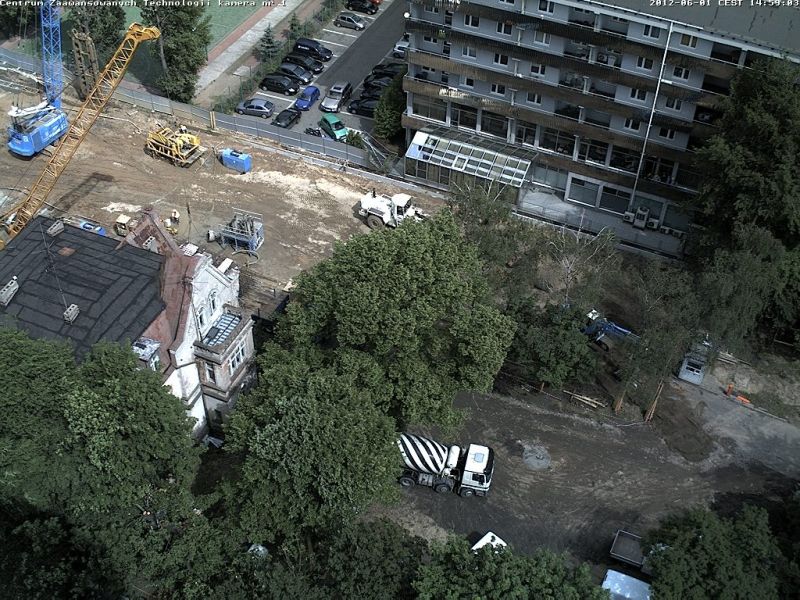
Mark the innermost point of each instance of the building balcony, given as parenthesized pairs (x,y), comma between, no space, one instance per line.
(222,336)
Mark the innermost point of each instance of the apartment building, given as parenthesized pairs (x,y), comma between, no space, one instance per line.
(585,111)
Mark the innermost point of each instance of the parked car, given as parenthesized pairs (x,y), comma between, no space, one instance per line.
(374,81)
(401,47)
(338,94)
(305,61)
(278,82)
(287,117)
(257,107)
(333,126)
(390,69)
(364,6)
(313,49)
(350,21)
(364,107)
(372,93)
(307,98)
(296,73)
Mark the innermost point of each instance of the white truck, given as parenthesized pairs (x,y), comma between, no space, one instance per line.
(384,211)
(467,471)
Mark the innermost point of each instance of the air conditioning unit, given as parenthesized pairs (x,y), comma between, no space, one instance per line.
(71,313)
(652,223)
(666,230)
(8,291)
(55,228)
(628,217)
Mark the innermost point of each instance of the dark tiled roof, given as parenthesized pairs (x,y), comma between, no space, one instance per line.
(116,286)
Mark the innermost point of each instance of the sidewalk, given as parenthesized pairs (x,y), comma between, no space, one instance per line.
(236,50)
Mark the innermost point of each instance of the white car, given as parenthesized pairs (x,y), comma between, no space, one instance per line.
(401,46)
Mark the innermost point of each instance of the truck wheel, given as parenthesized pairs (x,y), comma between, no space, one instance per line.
(374,222)
(441,488)
(406,482)
(466,493)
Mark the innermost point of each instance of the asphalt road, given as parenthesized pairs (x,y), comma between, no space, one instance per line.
(355,55)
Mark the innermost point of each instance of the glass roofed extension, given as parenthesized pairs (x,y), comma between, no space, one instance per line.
(496,162)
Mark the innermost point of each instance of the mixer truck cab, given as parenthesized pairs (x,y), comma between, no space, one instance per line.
(466,471)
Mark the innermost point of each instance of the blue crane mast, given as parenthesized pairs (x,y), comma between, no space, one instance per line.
(33,129)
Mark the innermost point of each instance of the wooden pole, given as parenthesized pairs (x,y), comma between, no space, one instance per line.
(648,416)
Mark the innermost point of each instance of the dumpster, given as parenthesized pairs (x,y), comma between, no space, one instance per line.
(238,161)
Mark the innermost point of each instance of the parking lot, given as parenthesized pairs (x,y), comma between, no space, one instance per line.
(355,53)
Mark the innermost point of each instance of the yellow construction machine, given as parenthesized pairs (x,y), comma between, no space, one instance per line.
(179,147)
(19,215)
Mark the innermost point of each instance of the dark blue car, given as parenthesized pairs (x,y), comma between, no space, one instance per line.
(307,98)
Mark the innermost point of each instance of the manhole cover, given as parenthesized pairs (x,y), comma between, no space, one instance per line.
(536,457)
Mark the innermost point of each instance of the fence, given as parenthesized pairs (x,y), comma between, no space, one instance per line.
(238,124)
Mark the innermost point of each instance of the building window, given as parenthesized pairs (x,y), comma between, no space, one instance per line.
(537,70)
(681,73)
(632,124)
(430,40)
(508,1)
(558,141)
(429,108)
(652,31)
(237,358)
(471,21)
(504,28)
(494,124)
(445,77)
(212,302)
(534,98)
(469,52)
(666,132)
(499,88)
(545,6)
(593,151)
(464,116)
(583,191)
(201,317)
(540,37)
(638,94)
(688,40)
(501,59)
(644,63)
(211,374)
(432,9)
(673,103)
(469,82)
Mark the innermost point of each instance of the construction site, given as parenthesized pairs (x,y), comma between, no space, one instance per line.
(276,212)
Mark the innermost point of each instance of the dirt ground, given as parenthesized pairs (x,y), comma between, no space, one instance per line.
(305,207)
(567,478)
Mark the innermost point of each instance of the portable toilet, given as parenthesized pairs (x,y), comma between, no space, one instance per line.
(238,161)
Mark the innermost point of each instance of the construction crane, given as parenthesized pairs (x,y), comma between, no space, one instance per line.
(33,129)
(19,216)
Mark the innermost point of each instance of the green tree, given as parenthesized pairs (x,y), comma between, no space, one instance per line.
(182,48)
(549,346)
(104,24)
(389,110)
(371,561)
(317,442)
(414,301)
(17,20)
(511,249)
(268,48)
(699,555)
(455,572)
(355,139)
(296,28)
(41,559)
(751,192)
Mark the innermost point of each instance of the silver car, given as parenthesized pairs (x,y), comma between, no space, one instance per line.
(350,20)
(336,97)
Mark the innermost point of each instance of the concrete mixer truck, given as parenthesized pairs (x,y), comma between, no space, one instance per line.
(466,471)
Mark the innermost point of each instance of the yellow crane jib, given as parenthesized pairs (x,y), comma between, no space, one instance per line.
(94,104)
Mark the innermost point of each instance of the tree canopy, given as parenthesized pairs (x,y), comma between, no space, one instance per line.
(750,201)
(456,572)
(182,47)
(104,24)
(414,302)
(698,555)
